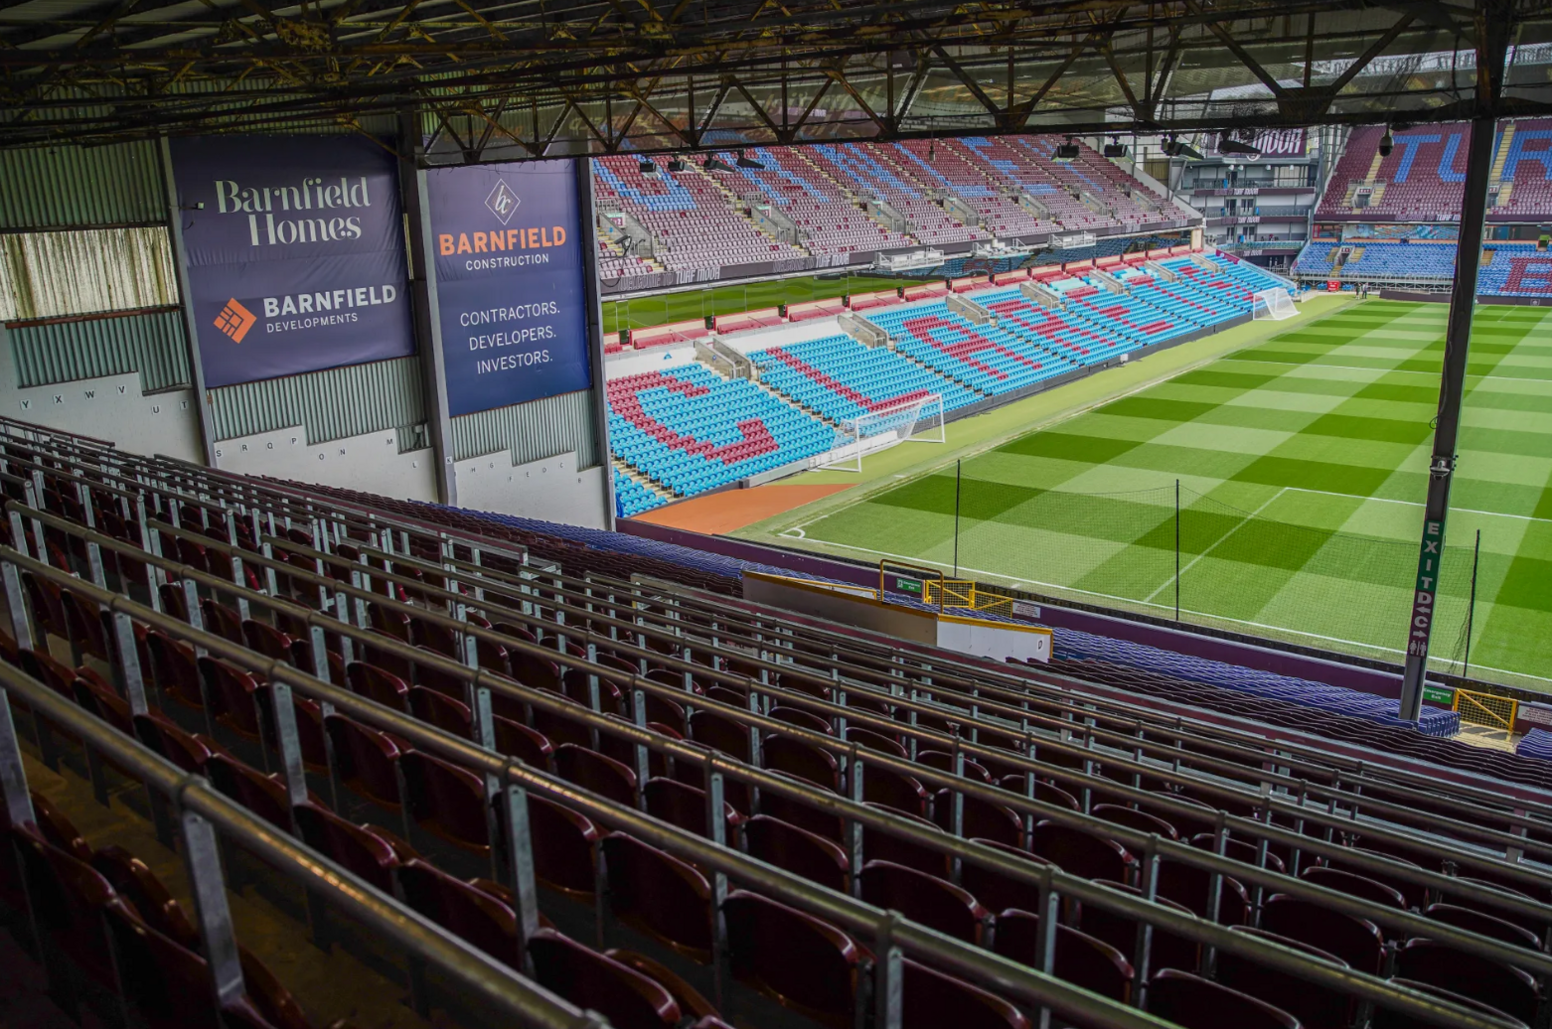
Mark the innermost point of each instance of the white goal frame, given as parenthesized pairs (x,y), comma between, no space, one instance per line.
(1272,305)
(913,421)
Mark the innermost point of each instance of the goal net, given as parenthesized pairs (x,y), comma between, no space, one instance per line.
(918,421)
(1272,305)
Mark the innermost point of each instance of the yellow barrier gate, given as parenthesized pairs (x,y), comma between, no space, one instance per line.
(963,593)
(1486,709)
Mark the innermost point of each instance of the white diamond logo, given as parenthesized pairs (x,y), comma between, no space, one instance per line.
(502,201)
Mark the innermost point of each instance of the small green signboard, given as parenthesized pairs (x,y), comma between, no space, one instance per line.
(1439,695)
(908,585)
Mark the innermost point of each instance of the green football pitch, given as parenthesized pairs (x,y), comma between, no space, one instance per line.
(1301,464)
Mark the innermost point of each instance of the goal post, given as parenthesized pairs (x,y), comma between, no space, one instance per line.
(919,420)
(1272,305)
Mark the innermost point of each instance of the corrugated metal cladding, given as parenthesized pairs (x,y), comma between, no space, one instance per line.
(65,186)
(53,274)
(539,428)
(152,344)
(329,405)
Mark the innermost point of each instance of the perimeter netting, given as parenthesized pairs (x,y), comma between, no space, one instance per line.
(917,421)
(1272,305)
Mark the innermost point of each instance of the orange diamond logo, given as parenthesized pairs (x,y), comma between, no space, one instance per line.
(235,320)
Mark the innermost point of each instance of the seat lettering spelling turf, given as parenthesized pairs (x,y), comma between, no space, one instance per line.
(797,364)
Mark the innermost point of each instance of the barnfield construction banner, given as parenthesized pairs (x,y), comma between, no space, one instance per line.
(295,251)
(511,299)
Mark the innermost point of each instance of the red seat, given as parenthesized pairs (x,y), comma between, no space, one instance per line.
(166,982)
(377,684)
(134,881)
(564,853)
(996,891)
(800,718)
(1191,886)
(1082,853)
(870,740)
(267,640)
(1167,950)
(691,1003)
(1355,885)
(263,795)
(1079,958)
(891,789)
(447,801)
(461,909)
(441,711)
(935,903)
(798,961)
(67,900)
(979,819)
(1487,925)
(683,805)
(1135,819)
(366,761)
(628,999)
(1046,792)
(1356,941)
(1384,1018)
(84,626)
(797,851)
(1315,1006)
(931,1000)
(233,695)
(596,773)
(1196,1003)
(514,739)
(1508,989)
(660,895)
(353,847)
(944,762)
(222,620)
(174,669)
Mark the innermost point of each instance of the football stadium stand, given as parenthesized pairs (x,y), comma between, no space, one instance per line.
(1420,180)
(839,378)
(691,430)
(986,358)
(499,734)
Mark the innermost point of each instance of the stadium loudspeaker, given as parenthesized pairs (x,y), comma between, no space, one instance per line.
(676,165)
(1067,151)
(646,167)
(1234,146)
(1115,149)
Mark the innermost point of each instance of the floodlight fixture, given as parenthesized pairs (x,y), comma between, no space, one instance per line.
(646,167)
(1065,152)
(749,162)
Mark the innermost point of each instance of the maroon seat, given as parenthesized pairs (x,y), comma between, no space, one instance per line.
(1480,922)
(691,1003)
(174,669)
(622,750)
(1385,1018)
(1079,959)
(628,999)
(68,897)
(802,761)
(557,728)
(564,848)
(1044,791)
(134,881)
(222,620)
(1508,989)
(1135,819)
(870,740)
(1416,896)
(1192,886)
(659,895)
(802,719)
(1356,941)
(97,699)
(1167,949)
(998,892)
(366,761)
(1240,850)
(931,1000)
(389,623)
(797,851)
(1355,885)
(446,801)
(167,983)
(944,762)
(442,711)
(891,789)
(683,805)
(596,773)
(233,695)
(83,626)
(267,640)
(798,961)
(934,902)
(351,846)
(535,671)
(980,819)
(1081,853)
(514,739)
(466,912)
(1196,1003)
(264,795)
(1315,1006)
(374,683)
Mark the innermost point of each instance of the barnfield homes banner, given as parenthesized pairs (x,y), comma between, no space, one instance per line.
(510,294)
(295,251)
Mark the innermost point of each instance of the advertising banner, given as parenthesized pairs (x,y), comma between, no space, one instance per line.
(510,292)
(1266,142)
(296,253)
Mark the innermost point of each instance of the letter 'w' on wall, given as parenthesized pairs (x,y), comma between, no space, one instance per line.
(296,258)
(510,293)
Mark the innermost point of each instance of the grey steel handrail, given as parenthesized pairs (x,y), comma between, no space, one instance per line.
(693,848)
(201,809)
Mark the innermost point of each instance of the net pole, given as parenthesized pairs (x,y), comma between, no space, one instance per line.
(957,467)
(1471,607)
(1177,550)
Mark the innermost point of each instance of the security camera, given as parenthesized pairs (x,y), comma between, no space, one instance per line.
(1387,144)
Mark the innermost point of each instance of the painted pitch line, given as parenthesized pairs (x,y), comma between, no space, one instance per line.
(1237,527)
(1413,503)
(1440,661)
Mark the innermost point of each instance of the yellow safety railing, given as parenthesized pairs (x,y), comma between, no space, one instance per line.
(963,593)
(1486,709)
